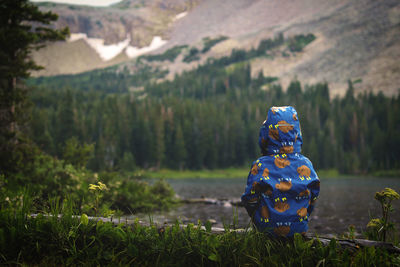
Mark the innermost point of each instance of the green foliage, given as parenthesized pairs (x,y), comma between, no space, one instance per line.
(208,43)
(210,118)
(76,154)
(170,54)
(70,240)
(128,162)
(351,234)
(108,80)
(132,197)
(97,190)
(49,177)
(378,228)
(192,55)
(269,44)
(298,42)
(23,28)
(18,36)
(236,55)
(387,173)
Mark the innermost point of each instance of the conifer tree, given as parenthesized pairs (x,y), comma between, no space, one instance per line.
(180,151)
(23,28)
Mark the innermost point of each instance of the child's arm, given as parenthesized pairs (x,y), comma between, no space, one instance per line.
(314,191)
(251,196)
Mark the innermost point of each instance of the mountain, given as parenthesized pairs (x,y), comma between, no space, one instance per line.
(355,40)
(104,36)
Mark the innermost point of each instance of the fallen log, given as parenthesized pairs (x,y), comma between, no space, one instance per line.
(354,244)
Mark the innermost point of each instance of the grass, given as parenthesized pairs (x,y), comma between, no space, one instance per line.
(68,240)
(387,173)
(335,174)
(329,173)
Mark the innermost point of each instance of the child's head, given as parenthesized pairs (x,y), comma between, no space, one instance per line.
(280,132)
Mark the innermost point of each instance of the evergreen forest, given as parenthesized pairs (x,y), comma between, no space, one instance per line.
(209,118)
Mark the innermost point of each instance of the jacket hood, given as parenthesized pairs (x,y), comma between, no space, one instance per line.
(280,132)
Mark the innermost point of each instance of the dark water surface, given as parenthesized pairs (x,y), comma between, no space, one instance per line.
(342,202)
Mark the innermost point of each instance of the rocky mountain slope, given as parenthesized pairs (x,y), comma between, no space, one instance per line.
(130,25)
(356,40)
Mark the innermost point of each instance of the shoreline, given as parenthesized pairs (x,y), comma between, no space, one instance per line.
(242,173)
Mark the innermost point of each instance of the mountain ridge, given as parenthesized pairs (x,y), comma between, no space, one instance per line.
(356,40)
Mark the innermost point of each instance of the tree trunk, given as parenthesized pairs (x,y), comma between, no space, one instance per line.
(13,88)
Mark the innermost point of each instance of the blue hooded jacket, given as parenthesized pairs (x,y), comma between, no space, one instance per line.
(282,185)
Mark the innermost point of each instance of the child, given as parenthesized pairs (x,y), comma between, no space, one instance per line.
(282,186)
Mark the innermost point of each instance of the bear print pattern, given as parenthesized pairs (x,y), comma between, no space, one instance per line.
(264,143)
(255,188)
(273,134)
(282,230)
(254,169)
(304,171)
(284,126)
(281,206)
(281,162)
(284,184)
(275,109)
(303,194)
(268,192)
(265,213)
(302,212)
(265,173)
(286,150)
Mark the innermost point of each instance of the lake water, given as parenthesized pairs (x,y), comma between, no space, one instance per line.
(342,202)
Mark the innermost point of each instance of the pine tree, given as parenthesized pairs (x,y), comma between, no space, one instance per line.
(65,121)
(23,28)
(180,151)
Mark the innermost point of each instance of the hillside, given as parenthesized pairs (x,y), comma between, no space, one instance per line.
(356,40)
(131,24)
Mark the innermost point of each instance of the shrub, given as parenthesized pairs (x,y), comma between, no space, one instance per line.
(170,54)
(209,43)
(192,56)
(298,42)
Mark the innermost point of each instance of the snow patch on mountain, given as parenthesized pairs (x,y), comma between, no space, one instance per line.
(108,52)
(180,15)
(97,3)
(156,43)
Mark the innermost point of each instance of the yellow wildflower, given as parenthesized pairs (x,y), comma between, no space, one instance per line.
(93,187)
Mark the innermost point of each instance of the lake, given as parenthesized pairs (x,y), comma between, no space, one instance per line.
(342,202)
